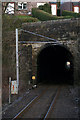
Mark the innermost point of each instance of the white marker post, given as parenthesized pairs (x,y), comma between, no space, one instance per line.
(9,90)
(17,61)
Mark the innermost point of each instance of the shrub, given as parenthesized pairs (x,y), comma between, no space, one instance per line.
(58,12)
(67,17)
(46,7)
(70,13)
(42,15)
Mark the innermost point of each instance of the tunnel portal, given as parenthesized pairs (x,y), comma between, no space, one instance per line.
(55,65)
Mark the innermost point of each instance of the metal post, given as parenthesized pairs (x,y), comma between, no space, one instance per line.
(9,90)
(17,61)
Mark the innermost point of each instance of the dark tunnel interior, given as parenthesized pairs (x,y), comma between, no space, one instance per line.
(55,65)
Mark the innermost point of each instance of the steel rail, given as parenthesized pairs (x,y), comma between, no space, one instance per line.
(52,104)
(24,108)
(30,104)
(35,99)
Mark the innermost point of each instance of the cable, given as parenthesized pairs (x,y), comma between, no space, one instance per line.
(40,36)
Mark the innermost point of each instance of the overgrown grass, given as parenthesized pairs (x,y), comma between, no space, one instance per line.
(23,16)
(65,17)
(10,22)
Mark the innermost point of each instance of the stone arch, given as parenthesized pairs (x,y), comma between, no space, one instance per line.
(48,44)
(69,56)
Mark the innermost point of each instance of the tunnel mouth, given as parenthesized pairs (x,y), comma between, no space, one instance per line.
(55,65)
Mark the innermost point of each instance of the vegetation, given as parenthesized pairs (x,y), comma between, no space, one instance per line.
(58,3)
(58,12)
(70,13)
(42,15)
(10,22)
(46,7)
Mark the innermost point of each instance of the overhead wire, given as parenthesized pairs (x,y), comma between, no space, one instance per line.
(36,34)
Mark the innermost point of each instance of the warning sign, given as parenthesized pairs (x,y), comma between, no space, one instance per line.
(14,89)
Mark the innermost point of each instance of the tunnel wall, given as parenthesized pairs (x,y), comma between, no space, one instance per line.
(37,48)
(65,31)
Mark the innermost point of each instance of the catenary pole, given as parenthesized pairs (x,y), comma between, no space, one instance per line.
(17,60)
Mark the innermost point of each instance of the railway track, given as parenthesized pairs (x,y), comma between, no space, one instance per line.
(47,115)
(40,106)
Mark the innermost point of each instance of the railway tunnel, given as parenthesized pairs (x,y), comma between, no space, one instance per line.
(55,65)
